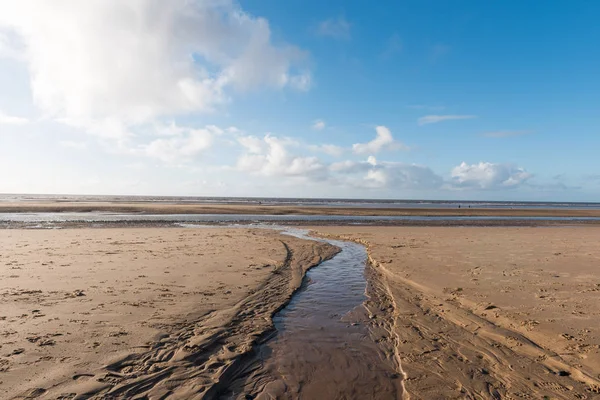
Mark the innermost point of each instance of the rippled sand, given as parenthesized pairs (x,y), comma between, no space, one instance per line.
(450,312)
(124,312)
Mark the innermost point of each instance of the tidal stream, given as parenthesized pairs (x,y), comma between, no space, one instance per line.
(322,348)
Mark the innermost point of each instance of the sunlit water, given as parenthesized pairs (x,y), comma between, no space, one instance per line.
(40,220)
(304,202)
(322,348)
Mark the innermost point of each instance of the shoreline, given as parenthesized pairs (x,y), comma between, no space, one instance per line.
(512,223)
(212,209)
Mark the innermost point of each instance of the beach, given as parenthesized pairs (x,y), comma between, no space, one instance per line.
(305,200)
(489,312)
(173,312)
(90,311)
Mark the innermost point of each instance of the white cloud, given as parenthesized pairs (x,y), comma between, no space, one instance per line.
(388,175)
(71,144)
(393,176)
(252,144)
(270,156)
(175,130)
(383,140)
(301,82)
(330,149)
(486,175)
(135,61)
(9,46)
(434,119)
(12,120)
(318,125)
(138,166)
(181,144)
(337,28)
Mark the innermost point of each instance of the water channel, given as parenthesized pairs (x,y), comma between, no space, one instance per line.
(322,348)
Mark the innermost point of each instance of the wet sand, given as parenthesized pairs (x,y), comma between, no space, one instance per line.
(125,312)
(504,313)
(186,208)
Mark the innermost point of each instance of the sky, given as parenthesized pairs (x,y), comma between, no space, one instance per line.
(420,99)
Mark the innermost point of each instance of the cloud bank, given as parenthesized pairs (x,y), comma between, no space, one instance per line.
(486,175)
(12,120)
(132,62)
(274,156)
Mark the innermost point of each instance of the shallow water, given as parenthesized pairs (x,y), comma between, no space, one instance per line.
(322,348)
(99,217)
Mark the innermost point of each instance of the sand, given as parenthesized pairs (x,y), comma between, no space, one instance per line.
(464,312)
(124,312)
(202,208)
(506,313)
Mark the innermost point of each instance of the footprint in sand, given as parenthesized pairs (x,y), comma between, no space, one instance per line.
(80,376)
(66,396)
(4,365)
(555,387)
(46,342)
(33,393)
(16,352)
(594,389)
(567,336)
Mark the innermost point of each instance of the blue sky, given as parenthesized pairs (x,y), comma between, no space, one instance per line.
(412,99)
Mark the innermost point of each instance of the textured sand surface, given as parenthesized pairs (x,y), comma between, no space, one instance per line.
(507,313)
(481,313)
(124,312)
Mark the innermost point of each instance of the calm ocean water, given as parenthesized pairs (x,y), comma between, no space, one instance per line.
(191,219)
(360,203)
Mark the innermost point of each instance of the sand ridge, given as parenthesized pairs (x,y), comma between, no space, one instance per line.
(488,312)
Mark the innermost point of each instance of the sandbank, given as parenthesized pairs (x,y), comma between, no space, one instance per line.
(488,312)
(133,312)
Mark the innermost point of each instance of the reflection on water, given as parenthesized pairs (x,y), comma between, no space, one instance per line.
(245,218)
(304,202)
(322,349)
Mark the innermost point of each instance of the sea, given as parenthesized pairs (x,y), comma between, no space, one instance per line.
(306,202)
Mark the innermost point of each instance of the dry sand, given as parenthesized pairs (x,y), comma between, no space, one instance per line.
(187,208)
(501,313)
(124,312)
